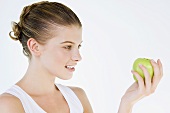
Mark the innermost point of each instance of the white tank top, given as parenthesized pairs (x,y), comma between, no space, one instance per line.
(30,106)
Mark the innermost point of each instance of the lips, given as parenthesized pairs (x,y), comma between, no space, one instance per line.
(70,68)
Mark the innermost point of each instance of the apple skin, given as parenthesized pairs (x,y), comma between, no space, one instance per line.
(145,62)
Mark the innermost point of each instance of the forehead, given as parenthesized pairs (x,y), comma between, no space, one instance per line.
(69,33)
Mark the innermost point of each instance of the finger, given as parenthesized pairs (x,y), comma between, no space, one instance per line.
(157,73)
(139,80)
(160,67)
(147,77)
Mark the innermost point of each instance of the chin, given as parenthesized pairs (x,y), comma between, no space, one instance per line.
(66,77)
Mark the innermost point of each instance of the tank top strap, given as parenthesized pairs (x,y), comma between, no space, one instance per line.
(29,105)
(71,98)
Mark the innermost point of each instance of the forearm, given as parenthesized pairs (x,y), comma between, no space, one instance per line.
(125,107)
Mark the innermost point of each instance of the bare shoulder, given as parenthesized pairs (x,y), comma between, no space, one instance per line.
(9,103)
(83,98)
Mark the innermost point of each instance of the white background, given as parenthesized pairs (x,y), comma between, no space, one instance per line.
(115,33)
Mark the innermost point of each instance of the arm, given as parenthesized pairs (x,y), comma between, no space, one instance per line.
(141,88)
(9,103)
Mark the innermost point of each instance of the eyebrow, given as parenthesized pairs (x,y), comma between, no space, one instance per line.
(69,42)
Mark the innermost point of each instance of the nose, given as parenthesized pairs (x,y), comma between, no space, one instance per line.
(76,56)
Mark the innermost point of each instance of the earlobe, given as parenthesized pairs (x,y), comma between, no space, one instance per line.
(33,46)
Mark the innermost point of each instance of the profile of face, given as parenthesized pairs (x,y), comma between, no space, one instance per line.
(60,54)
(57,32)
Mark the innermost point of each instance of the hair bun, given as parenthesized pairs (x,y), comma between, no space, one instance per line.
(15,33)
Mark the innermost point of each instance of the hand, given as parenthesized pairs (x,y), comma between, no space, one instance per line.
(143,87)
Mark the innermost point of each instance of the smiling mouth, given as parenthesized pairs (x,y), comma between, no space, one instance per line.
(70,68)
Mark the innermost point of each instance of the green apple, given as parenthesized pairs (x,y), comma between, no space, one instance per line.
(145,62)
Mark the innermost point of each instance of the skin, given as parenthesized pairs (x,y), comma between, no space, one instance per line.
(142,88)
(48,62)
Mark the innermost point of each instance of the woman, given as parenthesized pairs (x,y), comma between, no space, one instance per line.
(51,35)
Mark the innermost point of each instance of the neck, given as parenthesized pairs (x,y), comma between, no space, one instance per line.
(37,81)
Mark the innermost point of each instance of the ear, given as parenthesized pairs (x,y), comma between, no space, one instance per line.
(33,46)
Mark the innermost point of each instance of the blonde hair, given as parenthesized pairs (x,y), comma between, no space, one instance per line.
(38,19)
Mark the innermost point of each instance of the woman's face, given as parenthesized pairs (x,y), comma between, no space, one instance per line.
(61,54)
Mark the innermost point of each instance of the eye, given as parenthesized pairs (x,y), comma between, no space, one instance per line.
(79,46)
(67,47)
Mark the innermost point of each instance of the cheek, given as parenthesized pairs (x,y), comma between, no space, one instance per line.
(54,61)
(57,57)
(57,62)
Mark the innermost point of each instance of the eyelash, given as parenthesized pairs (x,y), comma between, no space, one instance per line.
(79,46)
(69,47)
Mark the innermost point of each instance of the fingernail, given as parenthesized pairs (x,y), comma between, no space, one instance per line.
(140,65)
(132,71)
(152,60)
